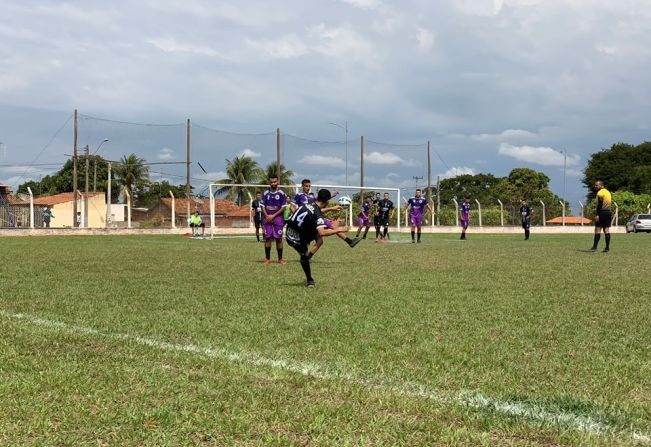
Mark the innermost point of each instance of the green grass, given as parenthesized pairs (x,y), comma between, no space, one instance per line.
(396,345)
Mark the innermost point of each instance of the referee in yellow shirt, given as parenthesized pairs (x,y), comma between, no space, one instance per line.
(603,216)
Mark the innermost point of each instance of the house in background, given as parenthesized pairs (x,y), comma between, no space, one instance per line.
(62,208)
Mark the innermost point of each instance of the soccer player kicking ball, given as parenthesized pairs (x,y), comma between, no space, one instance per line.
(307,225)
(306,197)
(273,205)
(464,217)
(415,206)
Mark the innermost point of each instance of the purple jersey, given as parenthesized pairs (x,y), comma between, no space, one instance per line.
(465,211)
(303,198)
(273,201)
(417,206)
(366,208)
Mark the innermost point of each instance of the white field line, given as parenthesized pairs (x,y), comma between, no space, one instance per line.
(463,398)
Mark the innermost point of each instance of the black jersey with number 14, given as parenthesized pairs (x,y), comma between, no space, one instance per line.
(303,227)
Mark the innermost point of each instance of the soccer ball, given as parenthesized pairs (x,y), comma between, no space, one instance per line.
(344,201)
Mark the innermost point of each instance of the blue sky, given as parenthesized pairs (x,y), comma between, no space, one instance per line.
(493,84)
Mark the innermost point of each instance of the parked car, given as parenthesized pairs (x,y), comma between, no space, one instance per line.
(639,222)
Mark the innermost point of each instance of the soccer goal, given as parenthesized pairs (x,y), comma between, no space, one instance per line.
(344,191)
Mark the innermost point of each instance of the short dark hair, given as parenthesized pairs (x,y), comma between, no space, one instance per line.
(323,195)
(305,180)
(273,176)
(418,190)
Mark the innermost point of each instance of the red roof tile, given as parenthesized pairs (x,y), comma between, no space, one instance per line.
(60,198)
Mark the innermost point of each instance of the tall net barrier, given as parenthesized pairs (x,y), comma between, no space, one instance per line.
(321,161)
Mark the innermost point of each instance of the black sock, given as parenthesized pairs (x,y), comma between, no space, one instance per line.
(608,241)
(305,263)
(596,240)
(365,232)
(267,252)
(377,232)
(418,235)
(412,235)
(348,240)
(358,232)
(526,234)
(386,230)
(309,255)
(257,236)
(280,253)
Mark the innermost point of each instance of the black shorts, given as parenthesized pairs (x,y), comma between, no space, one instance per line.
(257,222)
(605,218)
(376,221)
(201,225)
(526,223)
(383,221)
(300,247)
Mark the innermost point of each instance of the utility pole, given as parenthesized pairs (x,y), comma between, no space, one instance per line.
(564,173)
(86,149)
(429,171)
(108,196)
(361,167)
(438,200)
(74,173)
(187,169)
(278,155)
(95,174)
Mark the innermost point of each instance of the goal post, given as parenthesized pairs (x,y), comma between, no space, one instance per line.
(295,188)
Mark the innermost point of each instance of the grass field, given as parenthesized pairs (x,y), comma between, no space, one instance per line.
(169,341)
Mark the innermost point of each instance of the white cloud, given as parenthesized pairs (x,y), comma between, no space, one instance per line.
(165,154)
(425,39)
(363,4)
(609,50)
(322,160)
(506,135)
(545,156)
(388,158)
(249,153)
(573,173)
(286,47)
(456,171)
(342,42)
(170,45)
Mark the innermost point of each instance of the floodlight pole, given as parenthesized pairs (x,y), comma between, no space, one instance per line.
(108,197)
(87,150)
(74,172)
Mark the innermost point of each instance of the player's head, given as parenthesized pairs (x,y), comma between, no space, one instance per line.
(258,195)
(418,192)
(322,197)
(599,184)
(523,201)
(369,198)
(196,212)
(386,196)
(466,199)
(306,184)
(377,194)
(289,199)
(273,182)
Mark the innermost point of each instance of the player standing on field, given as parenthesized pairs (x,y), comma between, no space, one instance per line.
(307,225)
(525,215)
(385,207)
(464,217)
(376,215)
(603,216)
(256,211)
(415,206)
(273,205)
(363,217)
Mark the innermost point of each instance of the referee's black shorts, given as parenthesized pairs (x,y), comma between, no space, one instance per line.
(383,221)
(605,218)
(257,222)
(526,223)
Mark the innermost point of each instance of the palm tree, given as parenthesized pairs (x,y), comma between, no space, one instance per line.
(240,170)
(285,175)
(131,173)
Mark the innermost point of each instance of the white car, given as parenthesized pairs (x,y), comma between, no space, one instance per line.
(639,222)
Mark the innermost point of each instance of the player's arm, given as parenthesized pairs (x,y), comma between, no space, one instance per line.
(332,208)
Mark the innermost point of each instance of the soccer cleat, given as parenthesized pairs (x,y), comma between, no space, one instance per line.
(593,249)
(606,250)
(282,262)
(354,242)
(413,241)
(267,261)
(419,241)
(310,284)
